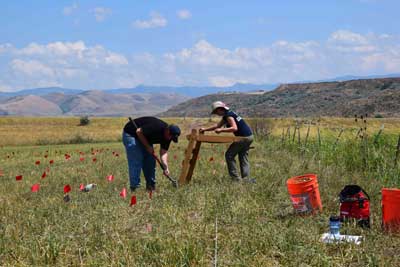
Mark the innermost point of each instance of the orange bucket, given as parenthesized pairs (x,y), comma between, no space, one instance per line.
(304,193)
(391,209)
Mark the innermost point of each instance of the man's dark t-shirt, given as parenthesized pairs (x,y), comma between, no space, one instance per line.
(152,128)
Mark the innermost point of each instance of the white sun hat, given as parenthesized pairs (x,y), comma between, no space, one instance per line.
(218,104)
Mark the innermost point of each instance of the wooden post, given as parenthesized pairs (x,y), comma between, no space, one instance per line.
(379,134)
(193,161)
(397,152)
(337,138)
(358,133)
(298,136)
(308,133)
(186,161)
(319,137)
(193,149)
(294,134)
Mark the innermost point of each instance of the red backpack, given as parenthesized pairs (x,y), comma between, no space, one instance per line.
(354,204)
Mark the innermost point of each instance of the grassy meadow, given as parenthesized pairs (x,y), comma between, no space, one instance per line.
(211,220)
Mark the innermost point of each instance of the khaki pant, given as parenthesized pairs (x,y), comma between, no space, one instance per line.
(241,149)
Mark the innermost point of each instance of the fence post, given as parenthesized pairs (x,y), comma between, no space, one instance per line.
(308,133)
(319,137)
(337,138)
(397,152)
(298,136)
(379,134)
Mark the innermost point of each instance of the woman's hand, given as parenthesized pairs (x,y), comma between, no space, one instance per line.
(218,130)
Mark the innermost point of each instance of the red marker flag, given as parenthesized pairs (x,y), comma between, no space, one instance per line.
(81,159)
(133,201)
(123,193)
(151,194)
(44,175)
(35,188)
(51,161)
(37,162)
(67,188)
(18,177)
(110,178)
(94,159)
(81,187)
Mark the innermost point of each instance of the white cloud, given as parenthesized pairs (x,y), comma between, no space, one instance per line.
(69,10)
(31,68)
(184,14)
(73,64)
(156,20)
(101,13)
(115,59)
(78,65)
(222,81)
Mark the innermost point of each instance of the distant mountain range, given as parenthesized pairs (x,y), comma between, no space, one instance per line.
(144,100)
(191,91)
(376,97)
(92,103)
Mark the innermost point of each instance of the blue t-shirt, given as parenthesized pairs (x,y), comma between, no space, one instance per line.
(243,129)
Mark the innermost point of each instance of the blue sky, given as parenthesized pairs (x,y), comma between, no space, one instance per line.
(118,44)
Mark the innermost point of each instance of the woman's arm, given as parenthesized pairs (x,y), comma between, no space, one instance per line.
(231,129)
(212,128)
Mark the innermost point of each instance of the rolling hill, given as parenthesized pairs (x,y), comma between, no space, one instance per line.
(92,103)
(343,99)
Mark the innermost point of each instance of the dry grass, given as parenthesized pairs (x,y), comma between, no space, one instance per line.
(256,225)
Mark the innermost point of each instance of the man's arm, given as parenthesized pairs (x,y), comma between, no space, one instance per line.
(144,141)
(164,160)
(212,128)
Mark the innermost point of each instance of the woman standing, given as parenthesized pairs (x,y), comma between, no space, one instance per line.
(233,124)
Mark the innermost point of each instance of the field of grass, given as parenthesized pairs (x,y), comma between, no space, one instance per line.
(253,224)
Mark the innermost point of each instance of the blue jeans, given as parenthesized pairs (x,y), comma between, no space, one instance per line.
(139,159)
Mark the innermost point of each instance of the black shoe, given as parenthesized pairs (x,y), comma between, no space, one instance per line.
(249,180)
(150,187)
(133,188)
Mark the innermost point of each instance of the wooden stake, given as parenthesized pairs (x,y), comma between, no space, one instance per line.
(358,133)
(186,161)
(379,134)
(397,152)
(294,134)
(319,137)
(298,135)
(308,133)
(193,161)
(337,138)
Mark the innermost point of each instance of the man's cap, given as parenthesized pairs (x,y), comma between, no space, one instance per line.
(175,132)
(218,104)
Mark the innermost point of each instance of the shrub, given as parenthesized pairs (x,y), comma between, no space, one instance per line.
(378,116)
(84,120)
